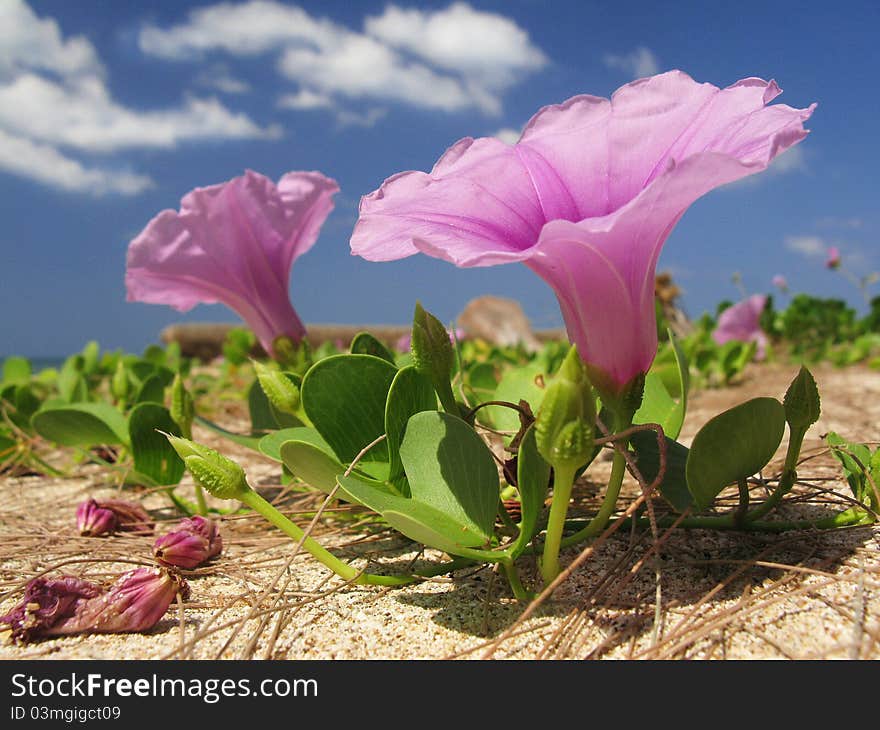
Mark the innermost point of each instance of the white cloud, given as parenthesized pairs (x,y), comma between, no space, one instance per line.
(53,95)
(449,59)
(792,160)
(853,222)
(345,118)
(47,165)
(809,246)
(218,77)
(638,63)
(305,100)
(459,38)
(508,135)
(29,42)
(83,116)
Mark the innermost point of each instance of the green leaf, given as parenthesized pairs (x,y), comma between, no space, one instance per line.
(533,481)
(317,466)
(247,440)
(418,521)
(153,455)
(72,386)
(674,487)
(81,424)
(526,383)
(855,459)
(91,354)
(8,448)
(481,382)
(802,405)
(365,344)
(658,405)
(732,446)
(344,397)
(450,468)
(152,390)
(16,370)
(271,443)
(264,417)
(410,393)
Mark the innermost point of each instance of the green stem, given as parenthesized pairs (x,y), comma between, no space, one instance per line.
(201,504)
(786,481)
(600,520)
(345,571)
(563,480)
(847,518)
(516,585)
(742,510)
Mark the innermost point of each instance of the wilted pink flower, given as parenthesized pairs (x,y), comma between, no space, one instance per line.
(586,199)
(47,604)
(233,243)
(742,322)
(102,517)
(833,259)
(780,282)
(135,602)
(195,540)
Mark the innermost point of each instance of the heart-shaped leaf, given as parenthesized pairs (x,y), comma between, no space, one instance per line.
(153,454)
(674,487)
(152,390)
(533,481)
(526,383)
(81,424)
(271,443)
(344,397)
(410,393)
(16,370)
(364,343)
(450,468)
(732,446)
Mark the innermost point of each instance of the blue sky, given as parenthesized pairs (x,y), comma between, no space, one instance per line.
(111,111)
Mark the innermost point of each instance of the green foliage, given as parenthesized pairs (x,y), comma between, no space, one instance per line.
(861,467)
(733,446)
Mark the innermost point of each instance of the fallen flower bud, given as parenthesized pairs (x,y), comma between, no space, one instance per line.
(195,541)
(47,603)
(102,517)
(68,605)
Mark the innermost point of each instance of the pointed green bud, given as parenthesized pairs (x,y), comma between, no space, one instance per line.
(433,355)
(284,350)
(280,390)
(564,426)
(182,407)
(220,476)
(120,384)
(802,401)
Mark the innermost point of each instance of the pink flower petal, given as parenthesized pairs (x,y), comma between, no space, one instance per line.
(586,198)
(742,322)
(233,243)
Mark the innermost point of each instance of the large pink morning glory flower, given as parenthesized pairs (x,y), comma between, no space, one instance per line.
(742,321)
(233,243)
(586,199)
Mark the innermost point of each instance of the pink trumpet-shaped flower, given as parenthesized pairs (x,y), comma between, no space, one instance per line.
(102,517)
(194,541)
(742,321)
(586,199)
(65,606)
(233,243)
(780,282)
(832,260)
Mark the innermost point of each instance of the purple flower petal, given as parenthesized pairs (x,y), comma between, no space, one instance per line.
(47,603)
(742,322)
(586,198)
(195,541)
(102,517)
(233,243)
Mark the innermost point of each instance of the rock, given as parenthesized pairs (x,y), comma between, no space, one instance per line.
(499,321)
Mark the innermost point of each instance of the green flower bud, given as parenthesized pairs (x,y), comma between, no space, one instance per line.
(182,407)
(217,474)
(120,384)
(279,389)
(565,422)
(433,355)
